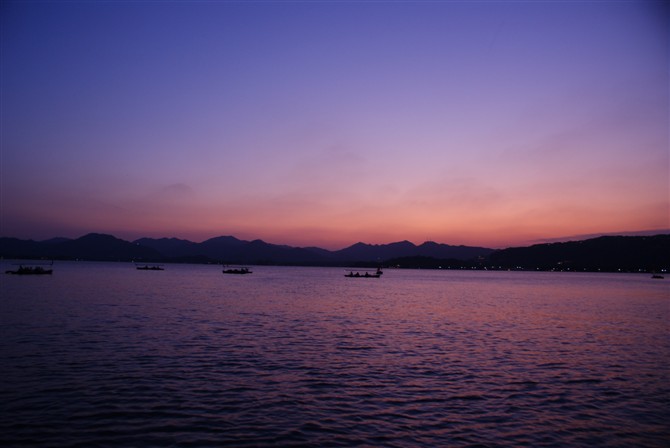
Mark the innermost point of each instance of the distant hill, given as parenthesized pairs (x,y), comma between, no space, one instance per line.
(229,249)
(606,253)
(232,250)
(170,247)
(16,248)
(226,249)
(94,246)
(382,252)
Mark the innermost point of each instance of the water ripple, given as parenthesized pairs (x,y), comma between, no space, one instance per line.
(296,357)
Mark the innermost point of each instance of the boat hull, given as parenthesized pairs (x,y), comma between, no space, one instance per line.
(30,272)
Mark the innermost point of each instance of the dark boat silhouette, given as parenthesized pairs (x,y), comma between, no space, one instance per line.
(31,270)
(149,268)
(366,274)
(237,271)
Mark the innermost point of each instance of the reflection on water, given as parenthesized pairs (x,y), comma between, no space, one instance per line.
(104,354)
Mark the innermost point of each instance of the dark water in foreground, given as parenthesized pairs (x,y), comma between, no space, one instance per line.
(100,354)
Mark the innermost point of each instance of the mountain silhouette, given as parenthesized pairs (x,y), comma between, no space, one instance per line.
(381,252)
(170,247)
(611,253)
(229,249)
(93,246)
(226,249)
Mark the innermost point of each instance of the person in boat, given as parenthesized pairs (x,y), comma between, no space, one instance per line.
(25,270)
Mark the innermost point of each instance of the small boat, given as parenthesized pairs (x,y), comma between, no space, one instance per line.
(237,271)
(149,268)
(657,276)
(31,270)
(378,273)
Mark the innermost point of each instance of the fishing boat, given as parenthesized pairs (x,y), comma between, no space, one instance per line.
(237,271)
(150,268)
(366,274)
(31,270)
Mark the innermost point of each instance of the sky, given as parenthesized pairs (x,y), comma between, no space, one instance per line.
(483,123)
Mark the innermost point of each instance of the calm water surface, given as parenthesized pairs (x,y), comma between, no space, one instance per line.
(101,354)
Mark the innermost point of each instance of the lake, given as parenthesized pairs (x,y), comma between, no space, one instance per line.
(102,354)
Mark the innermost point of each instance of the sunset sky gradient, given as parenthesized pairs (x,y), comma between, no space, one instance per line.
(326,123)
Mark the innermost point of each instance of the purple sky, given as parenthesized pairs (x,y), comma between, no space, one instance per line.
(481,123)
